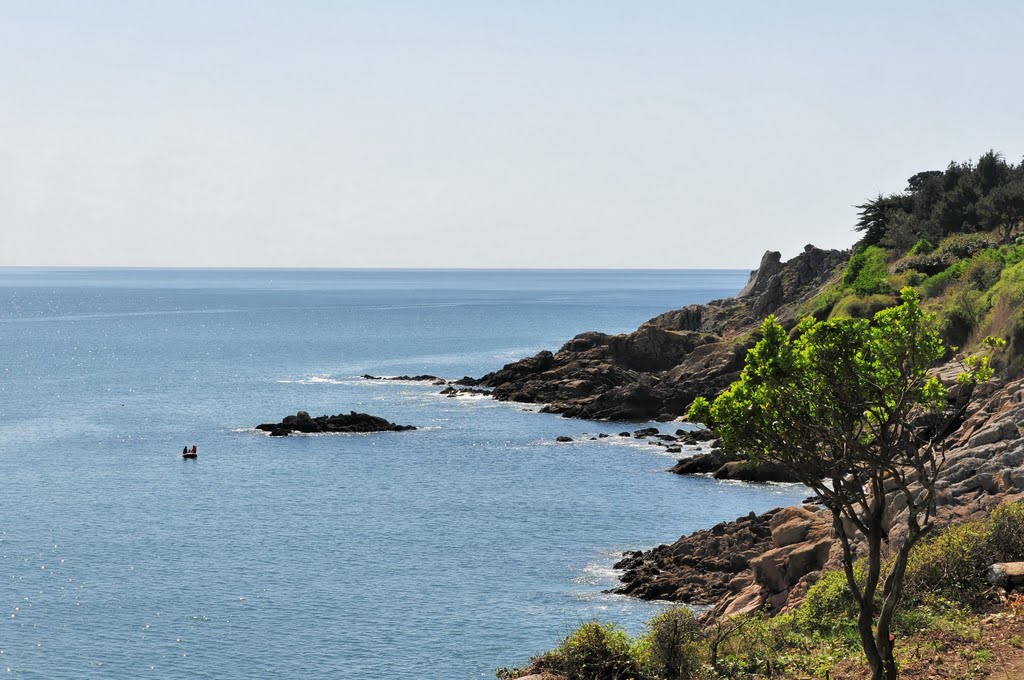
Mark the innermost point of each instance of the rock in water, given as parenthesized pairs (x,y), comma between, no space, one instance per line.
(353,422)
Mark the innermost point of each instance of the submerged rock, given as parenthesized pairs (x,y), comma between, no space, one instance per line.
(352,422)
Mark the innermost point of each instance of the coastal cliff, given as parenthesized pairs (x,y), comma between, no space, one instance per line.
(655,371)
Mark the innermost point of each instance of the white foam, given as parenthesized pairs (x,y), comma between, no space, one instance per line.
(319,380)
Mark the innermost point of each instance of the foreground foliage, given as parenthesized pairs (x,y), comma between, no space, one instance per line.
(946,598)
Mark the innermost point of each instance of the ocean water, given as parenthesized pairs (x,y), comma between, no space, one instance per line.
(468,544)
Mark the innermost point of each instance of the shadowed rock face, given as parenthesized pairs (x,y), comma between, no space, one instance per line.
(658,369)
(353,422)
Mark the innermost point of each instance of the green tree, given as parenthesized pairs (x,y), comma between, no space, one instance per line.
(874,218)
(839,406)
(1003,208)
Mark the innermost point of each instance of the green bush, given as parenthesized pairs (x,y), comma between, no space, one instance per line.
(952,564)
(867,272)
(936,285)
(673,645)
(928,264)
(821,304)
(983,269)
(594,651)
(861,307)
(1006,298)
(1009,289)
(922,247)
(1006,533)
(829,608)
(966,245)
(962,313)
(908,277)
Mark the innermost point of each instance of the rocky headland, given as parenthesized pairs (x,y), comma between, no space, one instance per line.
(352,422)
(655,372)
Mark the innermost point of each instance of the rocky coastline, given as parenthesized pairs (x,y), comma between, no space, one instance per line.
(654,372)
(756,561)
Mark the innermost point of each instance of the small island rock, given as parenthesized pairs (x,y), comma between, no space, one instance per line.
(353,422)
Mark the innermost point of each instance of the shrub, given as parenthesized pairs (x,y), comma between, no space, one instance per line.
(929,264)
(861,307)
(673,647)
(962,314)
(821,304)
(936,285)
(829,608)
(1007,298)
(983,269)
(907,277)
(594,651)
(867,272)
(1010,287)
(763,647)
(1006,533)
(952,565)
(922,247)
(966,245)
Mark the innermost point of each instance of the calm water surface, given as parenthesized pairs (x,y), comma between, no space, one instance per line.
(441,553)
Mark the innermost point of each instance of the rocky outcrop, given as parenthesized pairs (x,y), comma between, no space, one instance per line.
(433,379)
(749,471)
(738,566)
(353,422)
(722,465)
(658,369)
(697,569)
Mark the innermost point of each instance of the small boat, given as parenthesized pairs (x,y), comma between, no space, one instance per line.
(190,454)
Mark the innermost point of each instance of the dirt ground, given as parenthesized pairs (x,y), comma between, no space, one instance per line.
(995,651)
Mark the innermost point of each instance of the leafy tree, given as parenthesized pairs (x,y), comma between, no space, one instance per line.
(874,217)
(922,179)
(838,406)
(936,203)
(1003,208)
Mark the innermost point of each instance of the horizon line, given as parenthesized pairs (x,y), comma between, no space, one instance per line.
(380,269)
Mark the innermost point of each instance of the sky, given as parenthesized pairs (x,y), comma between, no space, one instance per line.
(481,134)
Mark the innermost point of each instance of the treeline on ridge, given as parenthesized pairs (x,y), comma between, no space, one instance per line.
(953,235)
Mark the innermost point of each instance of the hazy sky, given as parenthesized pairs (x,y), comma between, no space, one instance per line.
(481,134)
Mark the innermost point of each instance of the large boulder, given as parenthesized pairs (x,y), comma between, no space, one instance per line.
(748,471)
(701,463)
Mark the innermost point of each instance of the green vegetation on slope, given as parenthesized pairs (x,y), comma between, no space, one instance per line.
(952,235)
(947,593)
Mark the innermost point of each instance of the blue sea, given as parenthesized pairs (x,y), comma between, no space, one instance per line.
(468,544)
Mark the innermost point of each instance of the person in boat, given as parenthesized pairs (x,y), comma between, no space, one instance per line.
(194,449)
(184,451)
